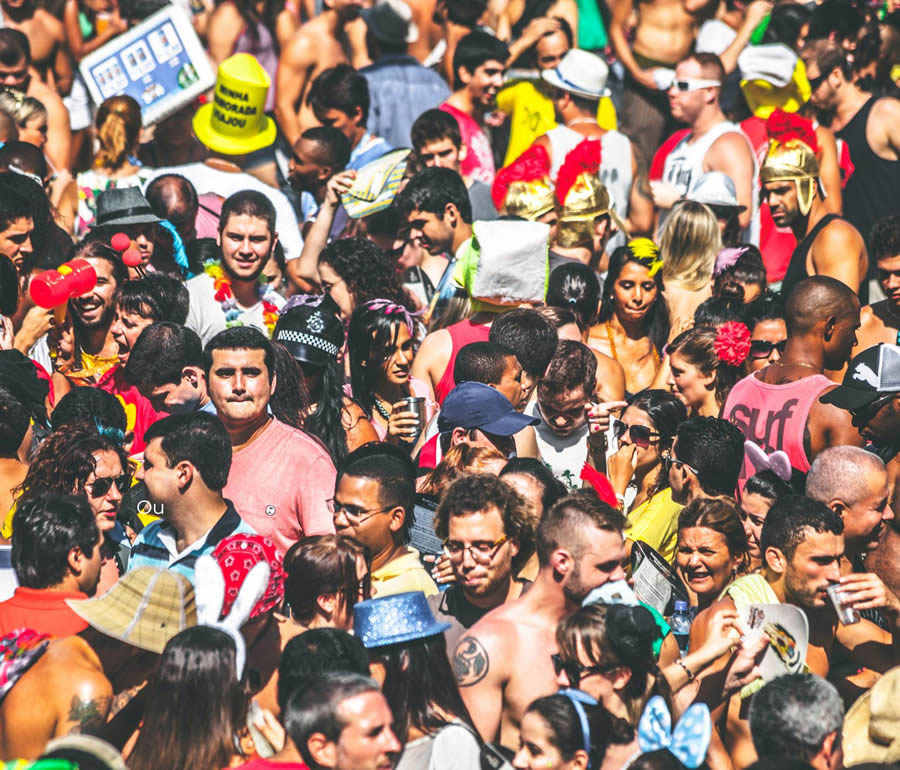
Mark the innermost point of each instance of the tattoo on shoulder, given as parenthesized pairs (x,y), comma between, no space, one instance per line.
(90,715)
(470,662)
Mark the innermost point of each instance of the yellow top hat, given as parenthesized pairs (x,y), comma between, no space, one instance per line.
(235,123)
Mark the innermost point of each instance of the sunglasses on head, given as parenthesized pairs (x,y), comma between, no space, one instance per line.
(764,348)
(640,434)
(99,487)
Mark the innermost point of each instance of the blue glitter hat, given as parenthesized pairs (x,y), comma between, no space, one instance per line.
(395,619)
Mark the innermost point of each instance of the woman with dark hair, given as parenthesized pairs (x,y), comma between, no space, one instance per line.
(381,341)
(86,460)
(575,286)
(567,731)
(720,309)
(645,433)
(768,330)
(705,363)
(311,331)
(740,272)
(712,548)
(406,647)
(290,401)
(761,492)
(195,706)
(326,576)
(354,271)
(633,324)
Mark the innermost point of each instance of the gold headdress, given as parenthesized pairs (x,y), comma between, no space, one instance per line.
(523,188)
(581,197)
(792,155)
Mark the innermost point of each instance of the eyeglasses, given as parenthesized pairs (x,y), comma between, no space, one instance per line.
(763,348)
(354,515)
(576,671)
(481,551)
(100,487)
(865,413)
(668,461)
(640,434)
(686,85)
(814,83)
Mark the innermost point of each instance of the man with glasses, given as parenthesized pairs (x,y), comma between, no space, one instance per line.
(487,530)
(713,144)
(373,503)
(186,465)
(705,459)
(503,662)
(778,407)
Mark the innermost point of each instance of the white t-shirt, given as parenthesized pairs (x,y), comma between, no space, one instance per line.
(714,36)
(564,455)
(225,183)
(205,315)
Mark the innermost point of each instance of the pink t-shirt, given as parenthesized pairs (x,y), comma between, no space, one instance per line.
(279,485)
(478,164)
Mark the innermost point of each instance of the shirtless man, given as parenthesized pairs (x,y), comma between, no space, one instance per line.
(826,243)
(802,544)
(503,663)
(319,44)
(16,72)
(81,681)
(45,33)
(664,35)
(880,321)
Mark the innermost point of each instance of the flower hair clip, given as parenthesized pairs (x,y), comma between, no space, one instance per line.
(732,345)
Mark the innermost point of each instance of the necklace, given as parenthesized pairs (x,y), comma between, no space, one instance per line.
(577,121)
(381,409)
(224,294)
(612,345)
(799,363)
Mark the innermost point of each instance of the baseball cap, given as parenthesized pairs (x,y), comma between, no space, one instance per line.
(476,405)
(872,373)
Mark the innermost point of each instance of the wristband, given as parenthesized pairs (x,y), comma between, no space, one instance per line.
(690,675)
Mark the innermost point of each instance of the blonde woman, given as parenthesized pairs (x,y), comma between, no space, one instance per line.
(688,244)
(118,130)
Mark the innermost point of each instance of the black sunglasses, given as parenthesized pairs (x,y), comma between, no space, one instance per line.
(866,412)
(814,83)
(764,348)
(576,671)
(99,487)
(640,434)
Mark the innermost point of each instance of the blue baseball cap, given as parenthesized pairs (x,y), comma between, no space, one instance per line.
(476,405)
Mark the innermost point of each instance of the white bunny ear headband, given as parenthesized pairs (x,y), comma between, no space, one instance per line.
(778,462)
(209,592)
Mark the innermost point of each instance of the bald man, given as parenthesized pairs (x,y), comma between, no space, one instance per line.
(778,407)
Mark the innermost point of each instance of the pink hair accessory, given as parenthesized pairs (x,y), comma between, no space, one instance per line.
(728,258)
(778,461)
(392,308)
(732,345)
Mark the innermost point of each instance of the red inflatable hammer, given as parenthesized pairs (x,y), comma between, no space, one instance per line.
(54,288)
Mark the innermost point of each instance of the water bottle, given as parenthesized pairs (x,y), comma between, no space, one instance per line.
(680,622)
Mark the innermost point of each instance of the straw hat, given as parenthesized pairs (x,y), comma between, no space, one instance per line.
(235,122)
(145,609)
(872,725)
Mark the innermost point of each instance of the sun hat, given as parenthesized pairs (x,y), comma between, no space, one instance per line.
(872,725)
(581,73)
(83,751)
(376,185)
(390,21)
(236,556)
(123,206)
(870,375)
(476,405)
(394,619)
(235,121)
(716,189)
(311,329)
(146,608)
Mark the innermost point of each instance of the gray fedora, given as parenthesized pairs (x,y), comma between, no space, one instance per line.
(123,206)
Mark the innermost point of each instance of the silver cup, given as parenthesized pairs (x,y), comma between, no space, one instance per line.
(415,404)
(846,614)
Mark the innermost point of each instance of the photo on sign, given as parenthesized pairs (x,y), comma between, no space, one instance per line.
(138,60)
(164,43)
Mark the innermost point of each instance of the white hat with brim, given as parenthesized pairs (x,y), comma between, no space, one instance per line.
(715,189)
(580,73)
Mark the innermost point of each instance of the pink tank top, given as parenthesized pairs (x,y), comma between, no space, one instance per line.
(774,416)
(461,334)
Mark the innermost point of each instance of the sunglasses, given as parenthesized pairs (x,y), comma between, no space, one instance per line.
(814,83)
(99,487)
(576,671)
(763,348)
(686,85)
(865,413)
(669,462)
(640,434)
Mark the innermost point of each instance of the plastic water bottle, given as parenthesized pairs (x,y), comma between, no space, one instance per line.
(680,623)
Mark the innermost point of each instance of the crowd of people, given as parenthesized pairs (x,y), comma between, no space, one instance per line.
(456,384)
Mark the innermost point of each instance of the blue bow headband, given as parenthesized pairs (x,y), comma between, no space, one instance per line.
(689,741)
(579,699)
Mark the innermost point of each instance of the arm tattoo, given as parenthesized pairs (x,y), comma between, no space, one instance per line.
(470,662)
(642,186)
(89,716)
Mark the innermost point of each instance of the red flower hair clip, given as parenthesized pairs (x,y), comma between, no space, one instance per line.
(732,343)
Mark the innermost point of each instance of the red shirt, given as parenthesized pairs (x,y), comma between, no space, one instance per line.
(138,410)
(266,764)
(43,610)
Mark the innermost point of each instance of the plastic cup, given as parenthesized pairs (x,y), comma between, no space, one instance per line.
(846,614)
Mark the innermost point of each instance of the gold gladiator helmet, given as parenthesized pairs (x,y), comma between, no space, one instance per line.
(523,188)
(792,156)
